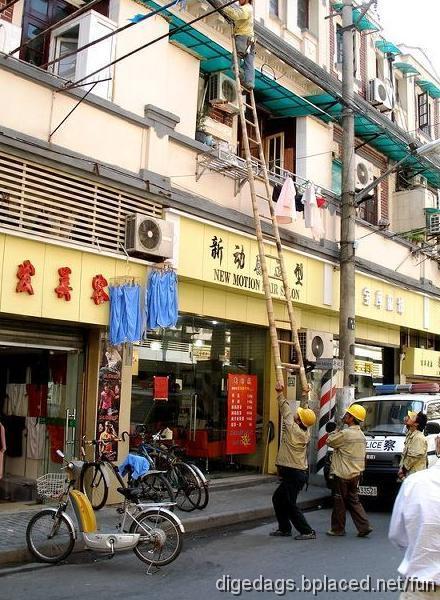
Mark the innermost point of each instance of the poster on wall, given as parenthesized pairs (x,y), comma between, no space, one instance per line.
(160,388)
(109,398)
(242,414)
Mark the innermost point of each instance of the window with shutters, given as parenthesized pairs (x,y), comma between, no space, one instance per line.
(274,151)
(368,210)
(303,14)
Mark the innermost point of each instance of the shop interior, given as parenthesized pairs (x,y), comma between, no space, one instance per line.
(39,390)
(197,356)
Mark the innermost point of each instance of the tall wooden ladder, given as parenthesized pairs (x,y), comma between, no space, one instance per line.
(264,257)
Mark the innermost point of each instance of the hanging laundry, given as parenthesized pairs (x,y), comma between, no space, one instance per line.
(285,210)
(37,396)
(312,214)
(56,437)
(14,427)
(2,448)
(36,435)
(161,302)
(16,400)
(125,318)
(299,205)
(276,192)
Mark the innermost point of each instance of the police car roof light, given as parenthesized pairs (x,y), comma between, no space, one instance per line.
(404,388)
(386,389)
(425,388)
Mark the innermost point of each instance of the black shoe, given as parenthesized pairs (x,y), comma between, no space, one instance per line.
(279,533)
(365,533)
(306,536)
(334,533)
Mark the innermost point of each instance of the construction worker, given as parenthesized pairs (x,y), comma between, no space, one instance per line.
(293,469)
(415,451)
(348,462)
(243,18)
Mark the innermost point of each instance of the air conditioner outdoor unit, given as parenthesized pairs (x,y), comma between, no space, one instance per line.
(146,237)
(381,94)
(315,344)
(222,92)
(419,181)
(364,173)
(434,224)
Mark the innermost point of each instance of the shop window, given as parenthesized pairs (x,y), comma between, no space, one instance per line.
(197,357)
(303,14)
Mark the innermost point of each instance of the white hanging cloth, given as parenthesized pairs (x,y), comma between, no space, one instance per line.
(312,214)
(285,210)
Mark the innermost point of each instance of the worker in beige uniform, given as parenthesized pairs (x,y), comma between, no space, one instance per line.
(348,462)
(293,469)
(415,451)
(243,18)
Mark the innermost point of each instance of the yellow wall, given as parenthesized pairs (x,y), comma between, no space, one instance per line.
(47,259)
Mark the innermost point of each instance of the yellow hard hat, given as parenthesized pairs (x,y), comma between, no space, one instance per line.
(307,416)
(412,414)
(357,411)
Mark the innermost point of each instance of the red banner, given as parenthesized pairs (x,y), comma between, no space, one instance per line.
(242,414)
(160,388)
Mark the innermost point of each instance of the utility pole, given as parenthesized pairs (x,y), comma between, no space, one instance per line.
(347,334)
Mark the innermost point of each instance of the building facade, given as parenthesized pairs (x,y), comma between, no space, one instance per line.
(156,134)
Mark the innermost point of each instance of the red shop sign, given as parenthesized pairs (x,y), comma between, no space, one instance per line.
(160,388)
(242,414)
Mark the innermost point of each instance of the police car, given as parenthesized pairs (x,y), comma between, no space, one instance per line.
(385,432)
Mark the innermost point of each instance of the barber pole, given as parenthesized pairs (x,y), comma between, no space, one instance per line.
(327,409)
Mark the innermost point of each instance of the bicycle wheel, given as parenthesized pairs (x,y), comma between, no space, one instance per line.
(160,537)
(155,488)
(188,487)
(94,484)
(204,487)
(49,536)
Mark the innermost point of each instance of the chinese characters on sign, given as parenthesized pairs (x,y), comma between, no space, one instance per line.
(63,289)
(26,271)
(379,301)
(24,274)
(217,248)
(242,414)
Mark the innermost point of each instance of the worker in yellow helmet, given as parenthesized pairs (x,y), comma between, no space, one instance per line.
(293,469)
(415,451)
(243,18)
(348,462)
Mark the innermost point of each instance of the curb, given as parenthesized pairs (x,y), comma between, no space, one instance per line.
(13,561)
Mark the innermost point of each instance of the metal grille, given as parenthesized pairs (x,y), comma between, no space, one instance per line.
(43,202)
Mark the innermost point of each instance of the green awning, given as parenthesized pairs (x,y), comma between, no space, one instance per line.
(387,47)
(406,68)
(281,102)
(428,86)
(362,22)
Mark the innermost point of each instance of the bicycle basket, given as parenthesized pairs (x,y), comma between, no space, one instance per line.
(51,485)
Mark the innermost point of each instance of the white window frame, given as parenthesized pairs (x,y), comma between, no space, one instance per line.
(271,162)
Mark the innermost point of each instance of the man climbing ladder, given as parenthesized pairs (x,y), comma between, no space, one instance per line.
(243,19)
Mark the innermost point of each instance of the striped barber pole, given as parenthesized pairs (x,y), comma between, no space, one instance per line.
(327,409)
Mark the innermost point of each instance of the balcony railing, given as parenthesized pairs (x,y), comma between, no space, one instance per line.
(42,202)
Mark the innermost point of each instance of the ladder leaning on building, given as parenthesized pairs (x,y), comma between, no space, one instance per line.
(244,107)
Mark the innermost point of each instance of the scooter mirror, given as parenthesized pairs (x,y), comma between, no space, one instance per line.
(60,454)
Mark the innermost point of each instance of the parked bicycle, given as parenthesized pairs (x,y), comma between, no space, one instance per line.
(153,532)
(187,480)
(94,480)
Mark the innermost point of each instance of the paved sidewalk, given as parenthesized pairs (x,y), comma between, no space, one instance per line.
(227,506)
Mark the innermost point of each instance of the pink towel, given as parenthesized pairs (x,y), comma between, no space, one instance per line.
(285,210)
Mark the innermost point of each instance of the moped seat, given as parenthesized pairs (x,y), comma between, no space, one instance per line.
(130,493)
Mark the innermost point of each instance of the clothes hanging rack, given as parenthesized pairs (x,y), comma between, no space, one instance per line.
(163,266)
(124,280)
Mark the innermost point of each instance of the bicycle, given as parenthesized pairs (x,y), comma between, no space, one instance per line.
(94,483)
(188,482)
(155,533)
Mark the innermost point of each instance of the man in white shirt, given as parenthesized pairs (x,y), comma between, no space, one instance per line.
(415,526)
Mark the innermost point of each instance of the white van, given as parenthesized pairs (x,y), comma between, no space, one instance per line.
(385,432)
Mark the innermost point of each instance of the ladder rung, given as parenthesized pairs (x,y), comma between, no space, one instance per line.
(248,105)
(262,197)
(290,367)
(251,123)
(255,141)
(265,217)
(277,278)
(282,320)
(272,256)
(286,342)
